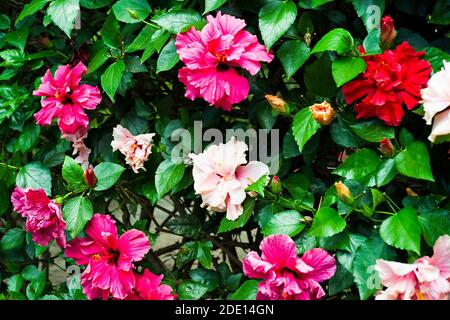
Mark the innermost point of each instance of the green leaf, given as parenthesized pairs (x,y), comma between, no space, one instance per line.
(318,3)
(28,137)
(111,35)
(304,127)
(110,79)
(18,38)
(141,41)
(186,225)
(247,291)
(372,41)
(285,222)
(434,223)
(77,212)
(370,18)
(275,18)
(97,61)
(15,283)
(204,256)
(258,186)
(211,5)
(361,166)
(131,11)
(293,55)
(107,174)
(191,290)
(31,8)
(339,40)
(35,175)
(63,13)
(405,137)
(326,223)
(207,277)
(414,162)
(347,68)
(228,225)
(12,240)
(4,22)
(436,57)
(94,4)
(168,57)
(386,172)
(365,275)
(402,230)
(176,21)
(373,131)
(73,174)
(167,176)
(342,134)
(318,78)
(441,13)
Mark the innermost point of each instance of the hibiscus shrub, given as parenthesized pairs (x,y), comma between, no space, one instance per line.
(215,149)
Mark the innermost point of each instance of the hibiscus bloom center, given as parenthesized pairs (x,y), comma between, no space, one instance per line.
(222,63)
(64,97)
(114,256)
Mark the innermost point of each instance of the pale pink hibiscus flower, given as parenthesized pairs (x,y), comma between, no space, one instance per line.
(212,57)
(425,279)
(148,287)
(136,149)
(44,218)
(109,258)
(65,98)
(221,176)
(285,275)
(436,100)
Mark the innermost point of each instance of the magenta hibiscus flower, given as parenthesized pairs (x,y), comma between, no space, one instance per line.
(109,258)
(65,99)
(212,56)
(285,275)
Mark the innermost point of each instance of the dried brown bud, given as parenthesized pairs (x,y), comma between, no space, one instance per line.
(343,192)
(276,103)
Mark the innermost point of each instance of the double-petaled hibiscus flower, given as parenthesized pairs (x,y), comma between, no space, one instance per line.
(285,276)
(108,258)
(221,176)
(44,218)
(212,57)
(65,99)
(391,79)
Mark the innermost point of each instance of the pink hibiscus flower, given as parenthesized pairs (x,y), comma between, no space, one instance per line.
(44,218)
(221,177)
(136,149)
(425,279)
(65,99)
(109,258)
(148,287)
(285,275)
(212,56)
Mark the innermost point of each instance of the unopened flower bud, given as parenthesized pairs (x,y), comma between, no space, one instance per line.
(388,32)
(276,103)
(343,192)
(275,185)
(89,177)
(59,199)
(387,148)
(323,113)
(410,192)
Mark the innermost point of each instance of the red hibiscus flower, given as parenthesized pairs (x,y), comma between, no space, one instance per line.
(391,79)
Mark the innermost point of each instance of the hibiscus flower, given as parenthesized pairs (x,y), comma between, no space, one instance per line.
(109,258)
(136,149)
(436,100)
(285,275)
(390,80)
(425,279)
(212,57)
(148,287)
(65,98)
(221,177)
(44,218)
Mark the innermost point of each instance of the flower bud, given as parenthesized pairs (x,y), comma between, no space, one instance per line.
(410,192)
(59,199)
(89,177)
(387,148)
(276,103)
(388,32)
(343,192)
(323,113)
(275,185)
